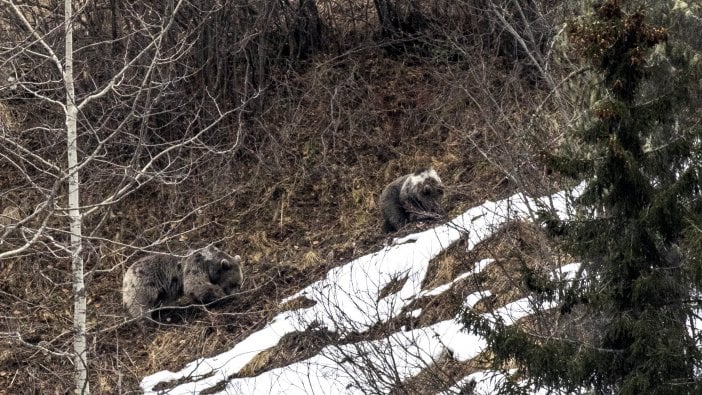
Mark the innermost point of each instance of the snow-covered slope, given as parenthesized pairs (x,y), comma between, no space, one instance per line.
(349,301)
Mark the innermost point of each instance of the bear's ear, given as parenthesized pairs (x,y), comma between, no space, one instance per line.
(227,264)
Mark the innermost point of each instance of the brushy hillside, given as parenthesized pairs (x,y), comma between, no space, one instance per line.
(374,325)
(327,120)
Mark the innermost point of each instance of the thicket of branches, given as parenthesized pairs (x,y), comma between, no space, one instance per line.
(158,77)
(228,122)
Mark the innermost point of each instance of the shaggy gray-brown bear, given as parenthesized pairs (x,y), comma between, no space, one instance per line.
(410,198)
(159,280)
(211,274)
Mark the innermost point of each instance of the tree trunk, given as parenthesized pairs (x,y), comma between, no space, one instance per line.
(80,357)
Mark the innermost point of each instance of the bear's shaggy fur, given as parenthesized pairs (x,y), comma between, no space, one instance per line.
(410,198)
(159,280)
(211,274)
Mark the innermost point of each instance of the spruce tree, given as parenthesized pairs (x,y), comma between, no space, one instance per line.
(637,233)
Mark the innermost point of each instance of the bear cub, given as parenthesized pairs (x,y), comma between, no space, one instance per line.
(411,198)
(204,276)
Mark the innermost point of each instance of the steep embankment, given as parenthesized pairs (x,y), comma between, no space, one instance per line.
(295,195)
(371,334)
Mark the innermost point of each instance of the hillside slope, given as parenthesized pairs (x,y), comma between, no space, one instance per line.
(289,179)
(351,305)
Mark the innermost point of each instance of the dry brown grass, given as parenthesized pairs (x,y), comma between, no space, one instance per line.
(516,247)
(439,377)
(293,347)
(306,185)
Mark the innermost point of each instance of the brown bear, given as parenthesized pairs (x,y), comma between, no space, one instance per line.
(410,198)
(159,280)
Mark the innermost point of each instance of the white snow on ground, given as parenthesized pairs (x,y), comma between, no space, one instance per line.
(479,266)
(347,301)
(485,383)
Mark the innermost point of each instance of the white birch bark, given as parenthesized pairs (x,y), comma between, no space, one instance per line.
(80,358)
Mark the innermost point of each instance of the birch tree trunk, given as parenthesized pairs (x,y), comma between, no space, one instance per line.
(80,357)
(126,101)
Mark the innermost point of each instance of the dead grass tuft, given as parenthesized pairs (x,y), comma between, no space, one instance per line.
(445,267)
(291,348)
(257,364)
(442,307)
(392,287)
(300,302)
(310,259)
(440,376)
